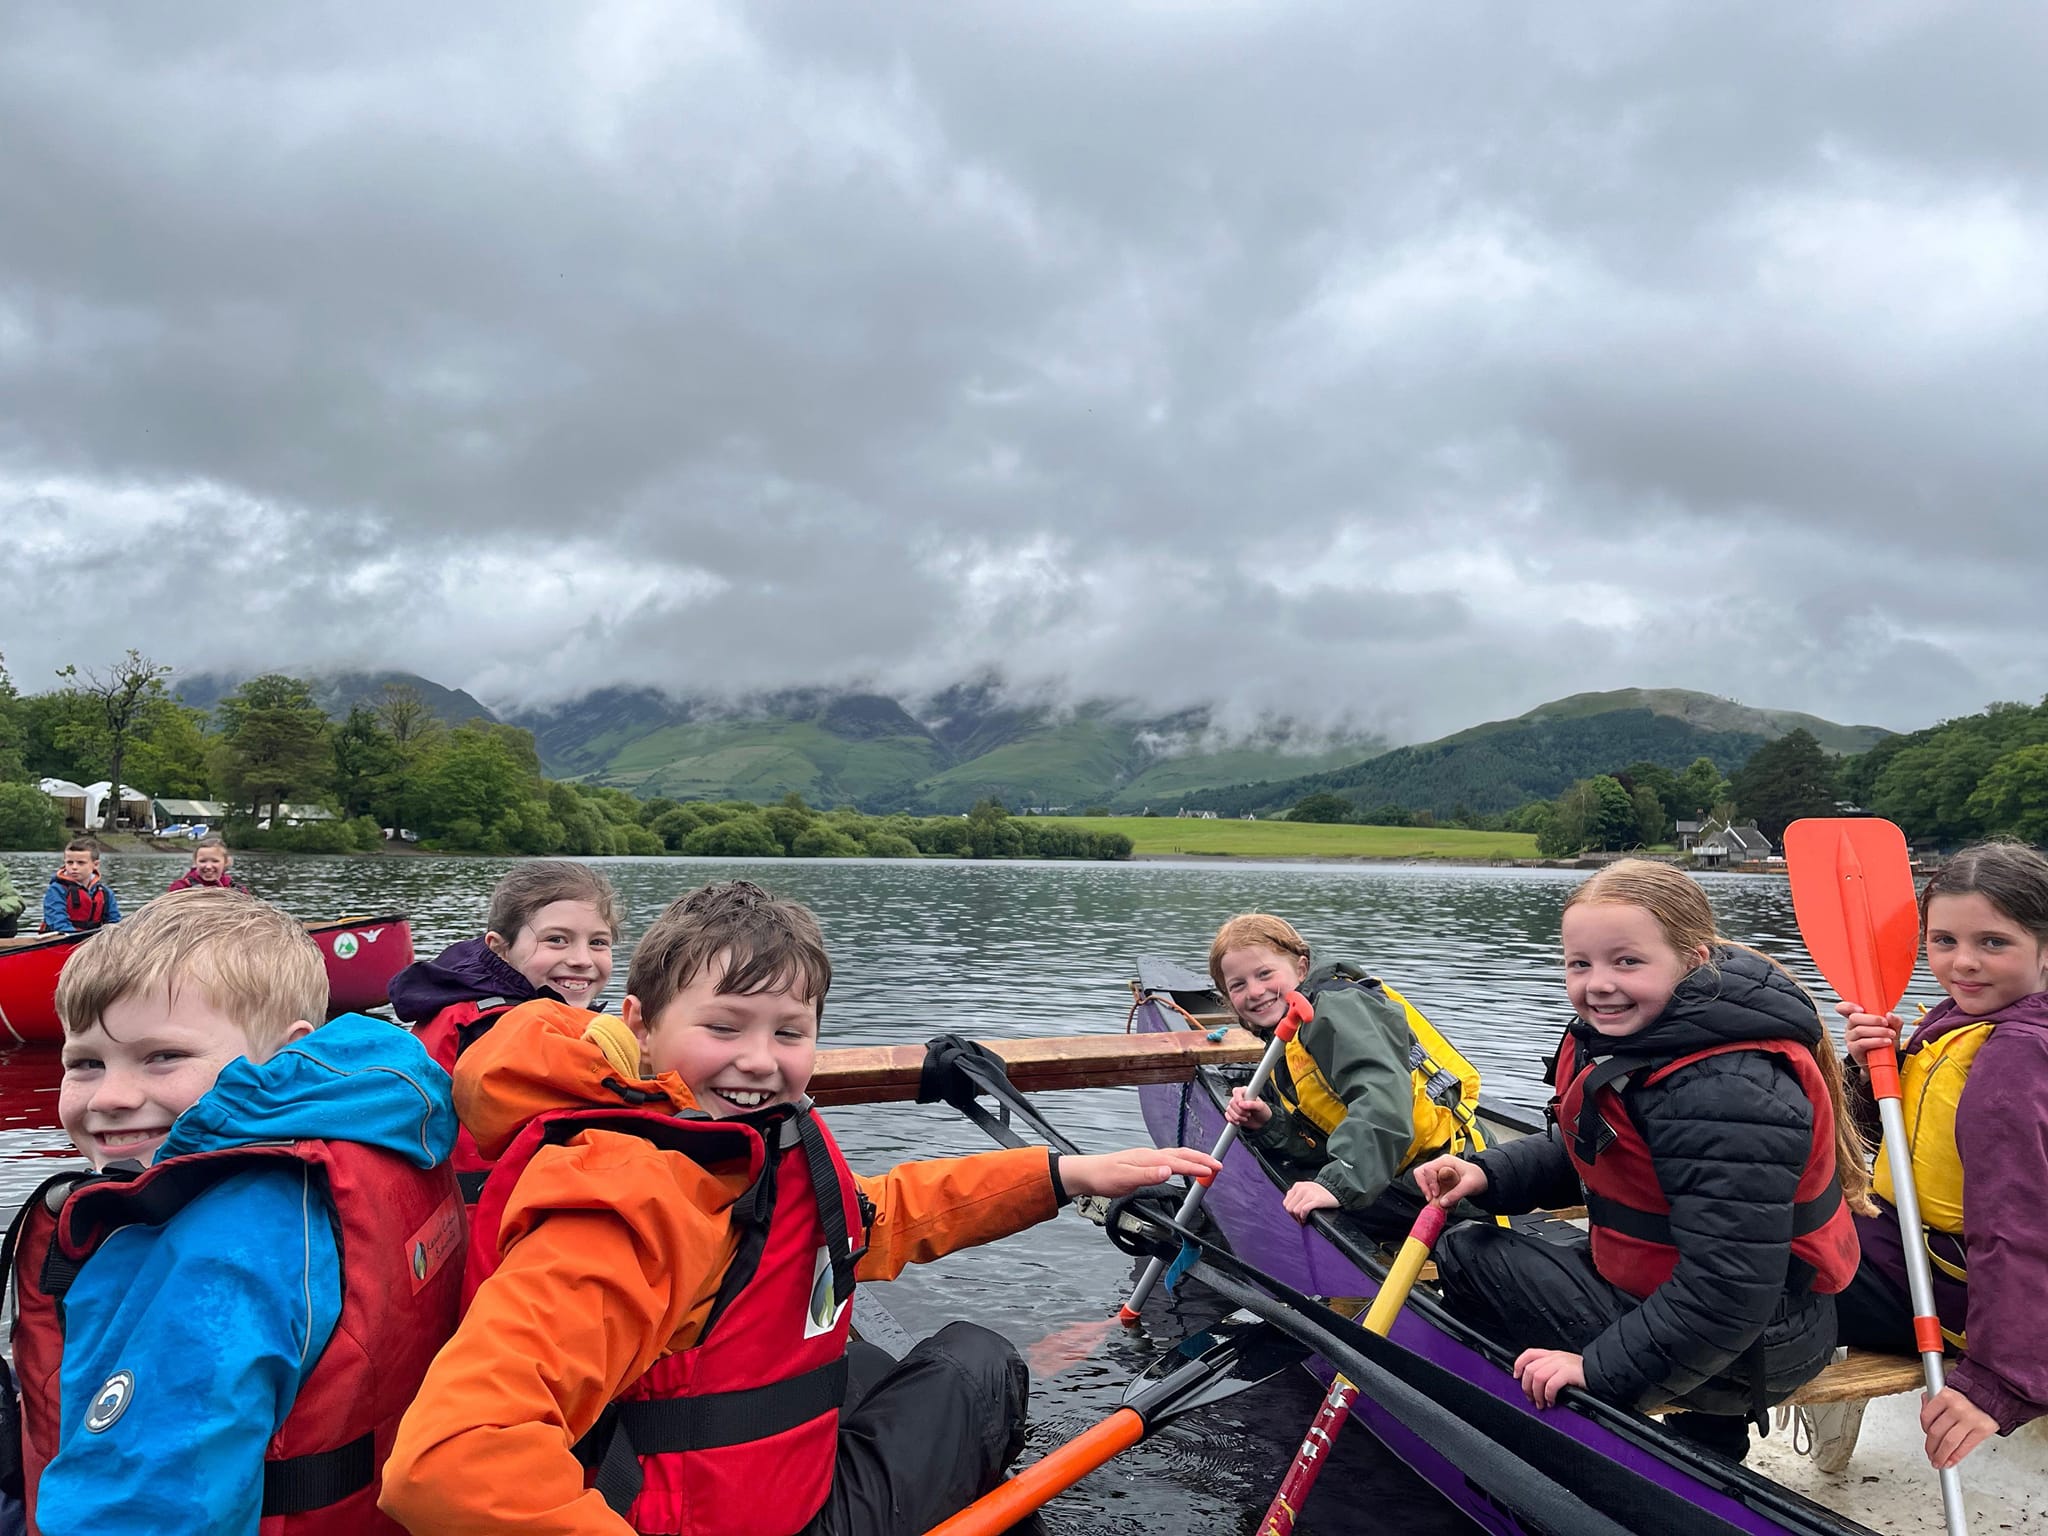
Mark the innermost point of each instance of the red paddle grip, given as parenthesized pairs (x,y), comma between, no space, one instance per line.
(1883,1067)
(1927,1334)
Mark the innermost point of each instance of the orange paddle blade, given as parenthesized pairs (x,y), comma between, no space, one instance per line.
(1852,891)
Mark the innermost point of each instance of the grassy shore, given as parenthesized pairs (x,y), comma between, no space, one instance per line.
(1307,840)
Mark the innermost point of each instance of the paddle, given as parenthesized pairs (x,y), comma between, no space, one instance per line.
(1329,1419)
(1236,1353)
(1852,892)
(1298,1013)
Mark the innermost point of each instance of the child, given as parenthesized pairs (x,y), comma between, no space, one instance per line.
(1975,1080)
(549,934)
(1367,1090)
(209,871)
(1701,1108)
(248,1303)
(77,902)
(663,1261)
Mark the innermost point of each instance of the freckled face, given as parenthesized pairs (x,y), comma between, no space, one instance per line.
(1256,980)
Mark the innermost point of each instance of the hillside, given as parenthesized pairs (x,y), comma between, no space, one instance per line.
(338,692)
(1505,763)
(927,756)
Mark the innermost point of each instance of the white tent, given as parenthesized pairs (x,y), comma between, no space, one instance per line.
(140,809)
(70,798)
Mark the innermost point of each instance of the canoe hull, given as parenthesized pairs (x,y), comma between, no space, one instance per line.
(361,955)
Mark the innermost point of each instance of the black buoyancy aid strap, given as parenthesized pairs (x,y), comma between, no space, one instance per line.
(831,1205)
(59,1186)
(1808,1216)
(297,1485)
(1592,1134)
(671,1426)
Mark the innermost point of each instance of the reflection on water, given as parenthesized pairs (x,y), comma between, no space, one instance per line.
(1014,949)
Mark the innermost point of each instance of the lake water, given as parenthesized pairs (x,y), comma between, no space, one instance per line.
(994,950)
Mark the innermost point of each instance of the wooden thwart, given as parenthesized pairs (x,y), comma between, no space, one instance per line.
(880,1074)
(1863,1374)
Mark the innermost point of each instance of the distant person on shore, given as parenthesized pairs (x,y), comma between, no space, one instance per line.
(1700,1117)
(1975,1080)
(226,1330)
(78,901)
(1367,1090)
(549,934)
(11,906)
(211,862)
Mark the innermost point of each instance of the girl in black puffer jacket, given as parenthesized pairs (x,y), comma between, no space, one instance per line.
(1699,1107)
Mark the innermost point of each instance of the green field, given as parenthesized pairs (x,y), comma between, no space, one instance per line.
(1306,840)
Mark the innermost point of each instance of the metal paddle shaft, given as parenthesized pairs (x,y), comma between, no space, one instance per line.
(1298,1013)
(1236,1353)
(1336,1409)
(1852,892)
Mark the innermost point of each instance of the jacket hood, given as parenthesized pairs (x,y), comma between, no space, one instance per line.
(546,1056)
(355,1079)
(462,973)
(1737,995)
(2030,1012)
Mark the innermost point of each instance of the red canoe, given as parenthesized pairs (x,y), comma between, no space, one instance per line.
(362,955)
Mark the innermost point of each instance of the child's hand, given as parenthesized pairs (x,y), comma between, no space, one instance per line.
(1545,1373)
(1246,1111)
(1308,1196)
(1955,1427)
(1867,1032)
(1448,1179)
(1119,1173)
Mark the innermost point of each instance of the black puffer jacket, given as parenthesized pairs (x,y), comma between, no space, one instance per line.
(1729,1138)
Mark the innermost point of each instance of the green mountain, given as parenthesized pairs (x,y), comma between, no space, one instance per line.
(1505,763)
(962,745)
(338,692)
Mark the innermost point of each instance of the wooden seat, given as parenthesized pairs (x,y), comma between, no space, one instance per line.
(1863,1374)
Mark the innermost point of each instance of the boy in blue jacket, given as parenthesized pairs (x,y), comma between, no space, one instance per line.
(77,900)
(224,1320)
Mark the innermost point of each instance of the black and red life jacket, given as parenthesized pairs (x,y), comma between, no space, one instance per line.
(85,906)
(399,1229)
(446,1036)
(738,1434)
(1627,1210)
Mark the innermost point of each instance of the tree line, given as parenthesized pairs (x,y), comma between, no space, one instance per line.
(476,787)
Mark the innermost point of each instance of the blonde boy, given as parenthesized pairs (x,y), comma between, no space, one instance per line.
(192,1353)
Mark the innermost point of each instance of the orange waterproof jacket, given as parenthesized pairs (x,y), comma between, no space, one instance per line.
(612,1251)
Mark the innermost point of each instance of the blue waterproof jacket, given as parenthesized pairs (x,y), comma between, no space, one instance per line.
(57,915)
(220,1314)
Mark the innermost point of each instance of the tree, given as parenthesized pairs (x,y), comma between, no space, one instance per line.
(119,693)
(367,765)
(13,762)
(2014,795)
(1321,806)
(29,818)
(406,716)
(274,742)
(1783,781)
(1697,791)
(169,749)
(1651,827)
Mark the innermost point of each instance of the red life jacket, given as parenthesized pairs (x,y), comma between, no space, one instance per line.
(446,1036)
(1627,1211)
(736,1435)
(86,907)
(399,1230)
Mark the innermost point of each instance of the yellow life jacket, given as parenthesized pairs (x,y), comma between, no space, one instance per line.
(1931,1083)
(1446,1089)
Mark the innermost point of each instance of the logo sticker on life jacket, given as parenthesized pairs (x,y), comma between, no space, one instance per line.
(438,1237)
(822,1316)
(110,1402)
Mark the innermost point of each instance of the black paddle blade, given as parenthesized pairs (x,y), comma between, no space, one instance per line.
(1223,1360)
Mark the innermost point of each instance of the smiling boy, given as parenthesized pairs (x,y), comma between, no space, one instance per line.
(663,1262)
(222,1322)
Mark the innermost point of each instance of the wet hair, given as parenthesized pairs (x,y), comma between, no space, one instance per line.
(84,845)
(2009,875)
(543,882)
(1247,929)
(769,945)
(254,963)
(1686,920)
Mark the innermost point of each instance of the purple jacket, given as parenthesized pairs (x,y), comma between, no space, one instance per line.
(462,973)
(2002,1132)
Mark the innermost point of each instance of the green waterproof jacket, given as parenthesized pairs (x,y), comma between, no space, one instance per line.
(10,900)
(1359,1039)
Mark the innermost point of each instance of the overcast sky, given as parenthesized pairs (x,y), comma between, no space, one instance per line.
(1406,363)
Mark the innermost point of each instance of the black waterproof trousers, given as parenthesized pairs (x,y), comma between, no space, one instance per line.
(923,1437)
(1527,1292)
